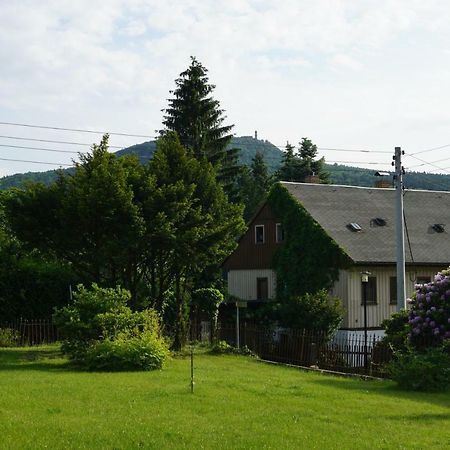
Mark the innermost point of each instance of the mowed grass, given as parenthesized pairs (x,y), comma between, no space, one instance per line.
(239,403)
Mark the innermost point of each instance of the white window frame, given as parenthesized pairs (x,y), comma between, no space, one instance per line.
(279,226)
(263,234)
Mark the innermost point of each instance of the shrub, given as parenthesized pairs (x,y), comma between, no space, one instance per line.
(317,311)
(9,337)
(144,351)
(221,348)
(429,316)
(102,333)
(421,371)
(397,330)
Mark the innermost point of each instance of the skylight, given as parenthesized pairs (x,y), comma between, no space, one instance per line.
(353,226)
(438,227)
(379,221)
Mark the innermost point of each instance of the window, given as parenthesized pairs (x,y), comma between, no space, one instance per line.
(279,233)
(423,280)
(259,234)
(262,288)
(393,290)
(369,289)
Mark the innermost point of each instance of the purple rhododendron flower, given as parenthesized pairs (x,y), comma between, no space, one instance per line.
(436,331)
(432,324)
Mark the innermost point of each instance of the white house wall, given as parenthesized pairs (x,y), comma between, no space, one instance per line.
(242,283)
(340,288)
(354,317)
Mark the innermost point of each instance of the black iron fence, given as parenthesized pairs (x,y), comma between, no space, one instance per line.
(32,332)
(348,353)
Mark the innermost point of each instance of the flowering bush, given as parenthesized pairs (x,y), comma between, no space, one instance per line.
(429,316)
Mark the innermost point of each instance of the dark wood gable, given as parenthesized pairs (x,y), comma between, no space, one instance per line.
(252,251)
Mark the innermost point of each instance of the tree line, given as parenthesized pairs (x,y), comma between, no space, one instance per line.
(160,230)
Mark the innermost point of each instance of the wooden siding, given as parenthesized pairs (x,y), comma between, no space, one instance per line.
(248,254)
(242,283)
(340,288)
(354,317)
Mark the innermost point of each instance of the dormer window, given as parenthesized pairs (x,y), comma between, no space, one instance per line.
(259,234)
(279,233)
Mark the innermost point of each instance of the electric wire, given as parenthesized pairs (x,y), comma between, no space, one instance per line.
(80,130)
(409,244)
(54,142)
(429,149)
(430,164)
(36,162)
(39,148)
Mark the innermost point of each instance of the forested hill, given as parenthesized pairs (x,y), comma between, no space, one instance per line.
(248,145)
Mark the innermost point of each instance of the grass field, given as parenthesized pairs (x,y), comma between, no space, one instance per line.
(239,403)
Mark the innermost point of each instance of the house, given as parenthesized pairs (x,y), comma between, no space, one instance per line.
(361,221)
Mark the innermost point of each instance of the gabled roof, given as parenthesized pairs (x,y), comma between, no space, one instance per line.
(336,207)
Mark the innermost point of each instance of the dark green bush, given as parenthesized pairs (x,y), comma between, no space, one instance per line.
(421,371)
(100,332)
(397,329)
(318,311)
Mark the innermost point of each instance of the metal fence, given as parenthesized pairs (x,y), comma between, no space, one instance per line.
(350,353)
(33,332)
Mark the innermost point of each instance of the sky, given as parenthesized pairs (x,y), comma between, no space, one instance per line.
(353,75)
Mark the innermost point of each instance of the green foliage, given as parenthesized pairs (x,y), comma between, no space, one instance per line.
(309,260)
(192,226)
(397,330)
(9,337)
(143,351)
(208,300)
(296,166)
(317,311)
(254,183)
(223,348)
(100,332)
(198,120)
(421,371)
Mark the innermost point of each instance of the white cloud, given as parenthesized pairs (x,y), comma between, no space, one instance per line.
(337,71)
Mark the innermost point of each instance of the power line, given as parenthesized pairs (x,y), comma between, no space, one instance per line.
(358,162)
(112,133)
(430,164)
(351,150)
(429,149)
(341,149)
(54,142)
(36,162)
(434,162)
(39,148)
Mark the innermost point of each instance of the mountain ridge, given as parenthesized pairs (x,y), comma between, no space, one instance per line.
(339,174)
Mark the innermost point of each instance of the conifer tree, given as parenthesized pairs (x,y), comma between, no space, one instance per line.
(297,166)
(198,120)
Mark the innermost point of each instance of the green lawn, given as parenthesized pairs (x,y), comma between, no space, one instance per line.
(238,403)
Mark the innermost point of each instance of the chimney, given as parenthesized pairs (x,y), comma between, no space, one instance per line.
(312,178)
(256,134)
(383,180)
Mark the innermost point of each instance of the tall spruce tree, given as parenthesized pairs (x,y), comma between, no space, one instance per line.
(198,120)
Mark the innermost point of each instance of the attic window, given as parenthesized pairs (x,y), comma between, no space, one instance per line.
(379,221)
(438,227)
(353,226)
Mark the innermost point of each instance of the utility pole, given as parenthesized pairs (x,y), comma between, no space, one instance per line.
(399,228)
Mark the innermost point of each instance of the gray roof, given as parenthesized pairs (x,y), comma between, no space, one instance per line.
(334,207)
